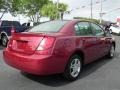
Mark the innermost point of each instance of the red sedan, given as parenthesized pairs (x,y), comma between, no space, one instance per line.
(58,47)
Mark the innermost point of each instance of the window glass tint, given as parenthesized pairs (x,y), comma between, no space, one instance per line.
(16,24)
(77,30)
(52,26)
(83,28)
(6,23)
(97,30)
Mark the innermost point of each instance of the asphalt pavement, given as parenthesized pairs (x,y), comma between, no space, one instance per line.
(103,74)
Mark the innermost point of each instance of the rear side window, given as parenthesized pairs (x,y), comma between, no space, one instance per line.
(83,28)
(10,23)
(6,23)
(52,26)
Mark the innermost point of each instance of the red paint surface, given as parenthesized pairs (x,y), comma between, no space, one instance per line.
(22,52)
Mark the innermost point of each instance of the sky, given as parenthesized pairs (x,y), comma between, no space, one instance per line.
(78,11)
(107,6)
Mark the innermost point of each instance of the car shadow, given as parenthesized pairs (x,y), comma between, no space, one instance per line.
(58,80)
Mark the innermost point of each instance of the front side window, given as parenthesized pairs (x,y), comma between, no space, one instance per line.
(83,28)
(97,30)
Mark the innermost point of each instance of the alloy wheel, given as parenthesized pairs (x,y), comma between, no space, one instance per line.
(75,67)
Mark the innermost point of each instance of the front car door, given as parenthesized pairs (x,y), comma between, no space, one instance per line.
(102,41)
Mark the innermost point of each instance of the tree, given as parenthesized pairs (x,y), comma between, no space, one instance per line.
(31,8)
(62,8)
(11,6)
(88,19)
(14,6)
(1,4)
(50,10)
(2,8)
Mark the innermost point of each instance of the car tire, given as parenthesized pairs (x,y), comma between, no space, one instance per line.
(111,52)
(73,68)
(4,40)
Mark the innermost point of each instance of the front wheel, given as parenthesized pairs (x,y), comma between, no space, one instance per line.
(73,68)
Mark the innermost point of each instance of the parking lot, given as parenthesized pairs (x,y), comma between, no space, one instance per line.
(100,75)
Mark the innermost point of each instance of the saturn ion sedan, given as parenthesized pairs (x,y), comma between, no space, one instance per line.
(56,47)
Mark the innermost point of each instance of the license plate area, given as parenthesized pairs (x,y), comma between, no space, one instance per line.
(19,45)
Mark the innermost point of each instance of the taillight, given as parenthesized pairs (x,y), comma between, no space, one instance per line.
(9,45)
(46,43)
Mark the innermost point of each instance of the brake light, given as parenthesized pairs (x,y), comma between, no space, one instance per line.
(46,43)
(9,45)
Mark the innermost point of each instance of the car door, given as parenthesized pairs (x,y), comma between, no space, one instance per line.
(100,40)
(86,38)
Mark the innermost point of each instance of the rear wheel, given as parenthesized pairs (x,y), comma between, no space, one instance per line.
(4,40)
(111,52)
(73,68)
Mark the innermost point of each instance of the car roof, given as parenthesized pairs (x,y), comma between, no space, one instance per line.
(8,21)
(76,20)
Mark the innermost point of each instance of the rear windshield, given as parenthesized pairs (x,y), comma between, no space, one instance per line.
(52,26)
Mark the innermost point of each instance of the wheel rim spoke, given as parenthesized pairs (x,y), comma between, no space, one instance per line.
(75,67)
(4,41)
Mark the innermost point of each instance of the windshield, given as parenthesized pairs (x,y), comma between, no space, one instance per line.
(52,26)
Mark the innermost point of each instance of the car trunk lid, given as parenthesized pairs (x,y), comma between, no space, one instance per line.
(25,42)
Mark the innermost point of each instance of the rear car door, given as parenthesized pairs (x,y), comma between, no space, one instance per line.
(100,40)
(86,38)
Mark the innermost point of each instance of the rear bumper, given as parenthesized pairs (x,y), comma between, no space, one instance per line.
(34,64)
